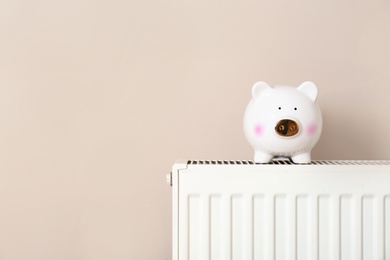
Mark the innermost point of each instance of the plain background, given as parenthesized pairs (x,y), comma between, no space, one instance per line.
(99,98)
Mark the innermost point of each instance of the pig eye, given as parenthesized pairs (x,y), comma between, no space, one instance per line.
(295,108)
(279,108)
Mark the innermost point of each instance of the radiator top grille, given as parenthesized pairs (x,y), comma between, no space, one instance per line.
(286,161)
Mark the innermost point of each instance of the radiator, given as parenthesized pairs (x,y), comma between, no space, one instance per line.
(240,210)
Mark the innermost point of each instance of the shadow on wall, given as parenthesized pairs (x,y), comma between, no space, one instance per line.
(346,137)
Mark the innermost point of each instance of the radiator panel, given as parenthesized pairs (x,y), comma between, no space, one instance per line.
(278,212)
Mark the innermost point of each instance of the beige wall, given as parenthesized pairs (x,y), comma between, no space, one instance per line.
(99,98)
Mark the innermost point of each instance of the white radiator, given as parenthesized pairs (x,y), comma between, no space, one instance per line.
(244,211)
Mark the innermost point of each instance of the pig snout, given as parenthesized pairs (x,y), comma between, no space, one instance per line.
(287,128)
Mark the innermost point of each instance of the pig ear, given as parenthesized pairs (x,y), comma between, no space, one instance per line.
(258,88)
(309,89)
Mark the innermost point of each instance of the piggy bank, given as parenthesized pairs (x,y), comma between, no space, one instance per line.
(283,121)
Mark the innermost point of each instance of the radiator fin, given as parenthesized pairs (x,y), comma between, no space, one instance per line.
(387,226)
(216,227)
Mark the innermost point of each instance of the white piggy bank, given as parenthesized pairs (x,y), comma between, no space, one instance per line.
(283,121)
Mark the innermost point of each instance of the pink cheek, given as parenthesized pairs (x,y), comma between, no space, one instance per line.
(259,129)
(311,129)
